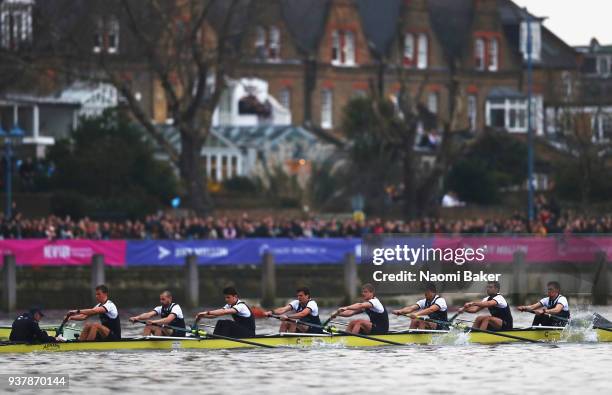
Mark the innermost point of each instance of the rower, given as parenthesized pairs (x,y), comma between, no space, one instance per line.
(243,324)
(500,318)
(378,323)
(25,328)
(170,313)
(554,303)
(433,306)
(109,327)
(306,310)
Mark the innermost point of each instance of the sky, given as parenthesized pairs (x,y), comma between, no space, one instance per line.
(575,21)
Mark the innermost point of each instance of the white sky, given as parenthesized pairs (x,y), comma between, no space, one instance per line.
(575,21)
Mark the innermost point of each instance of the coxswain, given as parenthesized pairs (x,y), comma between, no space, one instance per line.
(25,328)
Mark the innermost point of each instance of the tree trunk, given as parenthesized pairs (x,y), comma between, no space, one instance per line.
(410,185)
(191,169)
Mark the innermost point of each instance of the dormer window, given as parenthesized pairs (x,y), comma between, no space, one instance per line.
(416,50)
(486,52)
(343,48)
(106,35)
(267,42)
(535,28)
(15,23)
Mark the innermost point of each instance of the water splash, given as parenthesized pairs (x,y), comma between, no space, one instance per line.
(454,337)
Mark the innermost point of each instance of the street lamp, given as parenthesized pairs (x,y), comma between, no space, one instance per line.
(10,139)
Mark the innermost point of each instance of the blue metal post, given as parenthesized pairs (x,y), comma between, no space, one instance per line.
(530,206)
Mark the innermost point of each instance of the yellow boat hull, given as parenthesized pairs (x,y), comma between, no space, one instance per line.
(421,337)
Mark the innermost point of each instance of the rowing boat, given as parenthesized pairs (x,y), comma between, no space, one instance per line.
(69,331)
(415,336)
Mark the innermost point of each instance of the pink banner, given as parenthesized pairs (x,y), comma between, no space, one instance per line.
(64,252)
(566,248)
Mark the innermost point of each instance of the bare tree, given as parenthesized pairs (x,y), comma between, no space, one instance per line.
(188,47)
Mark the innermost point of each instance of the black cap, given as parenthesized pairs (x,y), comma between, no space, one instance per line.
(35,310)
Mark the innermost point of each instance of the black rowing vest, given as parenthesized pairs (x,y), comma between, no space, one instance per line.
(379,320)
(165,312)
(552,303)
(111,323)
(245,322)
(503,314)
(438,315)
(312,319)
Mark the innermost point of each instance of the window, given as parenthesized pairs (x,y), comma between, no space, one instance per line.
(15,23)
(409,50)
(479,54)
(106,35)
(326,109)
(603,65)
(509,114)
(432,102)
(234,166)
(493,54)
(423,47)
(534,28)
(113,35)
(343,48)
(274,47)
(284,98)
(267,42)
(472,110)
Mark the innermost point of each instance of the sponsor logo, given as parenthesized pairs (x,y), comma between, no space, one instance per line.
(51,347)
(163,252)
(66,252)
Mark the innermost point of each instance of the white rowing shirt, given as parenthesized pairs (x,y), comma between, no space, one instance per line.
(562,300)
(240,307)
(501,301)
(312,305)
(176,310)
(437,300)
(377,307)
(111,309)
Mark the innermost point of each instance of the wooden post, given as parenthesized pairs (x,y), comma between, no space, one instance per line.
(350,278)
(599,293)
(9,289)
(268,280)
(519,278)
(97,272)
(192,281)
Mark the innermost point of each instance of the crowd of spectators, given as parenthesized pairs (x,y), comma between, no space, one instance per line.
(167,227)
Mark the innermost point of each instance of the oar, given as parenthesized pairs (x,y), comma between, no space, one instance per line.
(602,323)
(60,329)
(524,339)
(557,317)
(336,330)
(199,333)
(324,324)
(455,316)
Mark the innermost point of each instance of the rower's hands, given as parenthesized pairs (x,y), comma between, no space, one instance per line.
(539,311)
(283,317)
(412,315)
(460,310)
(268,313)
(522,308)
(133,319)
(468,305)
(396,312)
(201,315)
(71,313)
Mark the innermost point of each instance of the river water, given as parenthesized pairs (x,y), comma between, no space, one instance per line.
(563,368)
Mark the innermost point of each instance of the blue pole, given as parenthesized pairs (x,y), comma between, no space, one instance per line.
(530,208)
(9,179)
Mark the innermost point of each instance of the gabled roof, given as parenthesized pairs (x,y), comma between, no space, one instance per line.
(379,20)
(452,22)
(305,20)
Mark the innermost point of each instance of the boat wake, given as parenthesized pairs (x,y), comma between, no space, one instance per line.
(454,337)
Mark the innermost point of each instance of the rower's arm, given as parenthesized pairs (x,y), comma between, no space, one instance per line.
(431,309)
(221,312)
(555,310)
(407,309)
(78,317)
(282,310)
(165,321)
(94,311)
(530,307)
(144,316)
(301,314)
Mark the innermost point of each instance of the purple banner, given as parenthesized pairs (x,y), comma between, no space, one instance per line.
(39,252)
